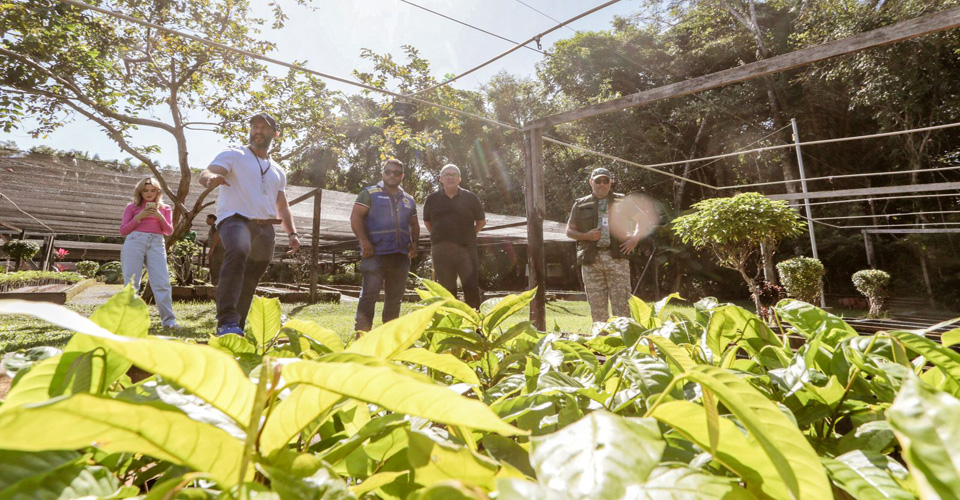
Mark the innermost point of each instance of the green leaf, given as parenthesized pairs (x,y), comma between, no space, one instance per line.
(950,338)
(874,436)
(942,357)
(34,385)
(325,336)
(681,482)
(811,321)
(395,389)
(506,307)
(450,490)
(117,426)
(20,465)
(263,321)
(671,352)
(323,484)
(599,456)
(376,481)
(514,332)
(642,313)
(433,462)
(392,337)
(739,452)
(444,363)
(925,422)
(72,480)
(736,324)
(293,414)
(202,370)
(796,462)
(866,476)
(124,314)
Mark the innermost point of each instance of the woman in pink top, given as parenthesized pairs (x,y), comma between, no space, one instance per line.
(145,222)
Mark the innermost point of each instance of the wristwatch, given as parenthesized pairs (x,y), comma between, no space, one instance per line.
(294,234)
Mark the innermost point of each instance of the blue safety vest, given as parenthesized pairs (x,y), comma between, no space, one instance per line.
(388,221)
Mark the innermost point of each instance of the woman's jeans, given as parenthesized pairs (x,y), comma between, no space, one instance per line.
(379,272)
(248,250)
(139,249)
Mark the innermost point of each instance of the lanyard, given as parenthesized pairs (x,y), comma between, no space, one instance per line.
(263,171)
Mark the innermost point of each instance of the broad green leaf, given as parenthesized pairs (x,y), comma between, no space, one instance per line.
(233,345)
(642,313)
(944,358)
(739,452)
(736,324)
(926,424)
(508,451)
(444,363)
(263,320)
(599,456)
(15,362)
(433,462)
(514,332)
(202,370)
(124,314)
(323,484)
(450,490)
(866,476)
(796,462)
(117,426)
(435,289)
(811,321)
(686,483)
(20,465)
(647,374)
(661,305)
(395,389)
(671,352)
(74,480)
(874,436)
(392,337)
(325,336)
(506,307)
(376,481)
(34,385)
(293,414)
(950,338)
(386,424)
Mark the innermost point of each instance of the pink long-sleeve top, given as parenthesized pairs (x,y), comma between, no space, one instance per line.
(148,224)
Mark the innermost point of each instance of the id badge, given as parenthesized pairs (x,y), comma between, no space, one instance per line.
(263,188)
(605,221)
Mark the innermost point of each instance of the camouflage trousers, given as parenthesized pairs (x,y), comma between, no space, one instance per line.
(607,280)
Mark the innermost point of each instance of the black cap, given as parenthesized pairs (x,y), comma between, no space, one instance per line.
(265,117)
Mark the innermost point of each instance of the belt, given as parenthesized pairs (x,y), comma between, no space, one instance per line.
(265,222)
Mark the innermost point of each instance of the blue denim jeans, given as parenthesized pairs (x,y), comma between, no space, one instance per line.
(248,250)
(148,249)
(379,272)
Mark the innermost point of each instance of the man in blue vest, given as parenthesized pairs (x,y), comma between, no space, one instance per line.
(384,219)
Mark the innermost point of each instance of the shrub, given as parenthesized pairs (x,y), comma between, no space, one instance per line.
(88,268)
(873,284)
(346,279)
(180,258)
(12,281)
(21,250)
(112,273)
(767,295)
(802,277)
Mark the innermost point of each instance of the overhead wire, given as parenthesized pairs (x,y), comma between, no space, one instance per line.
(469,25)
(10,200)
(844,176)
(869,216)
(883,198)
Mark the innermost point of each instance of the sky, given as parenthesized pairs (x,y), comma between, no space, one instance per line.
(330,37)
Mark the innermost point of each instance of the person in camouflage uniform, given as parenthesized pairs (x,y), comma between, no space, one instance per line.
(602,256)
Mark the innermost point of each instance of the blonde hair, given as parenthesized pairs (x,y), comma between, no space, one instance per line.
(138,191)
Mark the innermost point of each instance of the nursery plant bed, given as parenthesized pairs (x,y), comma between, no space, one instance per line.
(58,293)
(196,292)
(289,294)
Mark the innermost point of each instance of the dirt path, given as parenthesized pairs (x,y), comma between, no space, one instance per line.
(95,295)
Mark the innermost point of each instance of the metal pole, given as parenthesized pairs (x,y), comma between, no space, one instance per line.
(806,201)
(315,244)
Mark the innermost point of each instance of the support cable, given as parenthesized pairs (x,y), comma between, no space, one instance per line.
(515,48)
(890,215)
(5,197)
(845,176)
(469,25)
(882,198)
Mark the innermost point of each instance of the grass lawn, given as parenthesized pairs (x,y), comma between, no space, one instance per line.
(198,321)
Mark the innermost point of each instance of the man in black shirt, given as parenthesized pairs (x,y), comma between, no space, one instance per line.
(454,217)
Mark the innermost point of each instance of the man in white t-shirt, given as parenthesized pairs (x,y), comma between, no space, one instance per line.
(251,201)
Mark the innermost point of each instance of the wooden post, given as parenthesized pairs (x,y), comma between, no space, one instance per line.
(868,245)
(315,248)
(536,209)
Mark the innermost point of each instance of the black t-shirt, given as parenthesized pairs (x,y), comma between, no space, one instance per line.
(453,219)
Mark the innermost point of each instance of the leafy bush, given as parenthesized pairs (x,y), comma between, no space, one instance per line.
(736,229)
(803,278)
(112,273)
(872,283)
(20,279)
(20,250)
(180,258)
(346,279)
(88,268)
(659,407)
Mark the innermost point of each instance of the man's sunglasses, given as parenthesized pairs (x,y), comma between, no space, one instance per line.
(395,173)
(601,180)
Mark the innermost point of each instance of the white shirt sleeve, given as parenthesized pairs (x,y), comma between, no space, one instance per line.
(225,159)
